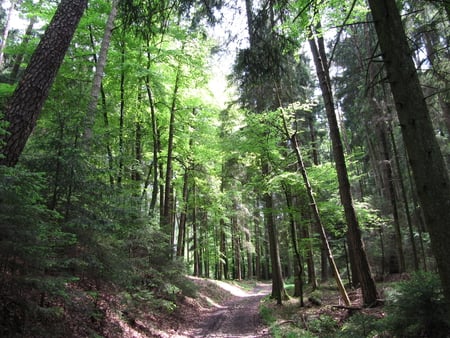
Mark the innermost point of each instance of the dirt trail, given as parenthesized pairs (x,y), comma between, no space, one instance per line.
(236,317)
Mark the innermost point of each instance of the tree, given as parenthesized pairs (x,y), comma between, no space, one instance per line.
(425,157)
(28,99)
(357,251)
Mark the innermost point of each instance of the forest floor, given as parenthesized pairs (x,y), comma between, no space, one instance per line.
(225,310)
(237,315)
(232,309)
(220,309)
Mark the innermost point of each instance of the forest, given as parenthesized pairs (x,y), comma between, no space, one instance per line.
(147,145)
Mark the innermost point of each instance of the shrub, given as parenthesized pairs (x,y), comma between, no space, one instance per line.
(417,308)
(361,326)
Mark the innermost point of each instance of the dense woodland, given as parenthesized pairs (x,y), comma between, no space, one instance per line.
(126,166)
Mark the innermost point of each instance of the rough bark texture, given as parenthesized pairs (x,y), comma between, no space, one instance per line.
(356,245)
(427,164)
(26,103)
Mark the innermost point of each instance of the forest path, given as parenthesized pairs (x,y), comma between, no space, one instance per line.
(238,316)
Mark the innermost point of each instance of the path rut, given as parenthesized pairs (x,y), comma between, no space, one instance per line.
(237,317)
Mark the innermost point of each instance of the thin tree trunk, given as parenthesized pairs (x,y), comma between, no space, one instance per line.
(98,75)
(404,197)
(236,240)
(317,219)
(393,198)
(356,246)
(108,136)
(155,136)
(166,216)
(6,31)
(278,290)
(121,114)
(428,167)
(298,258)
(19,58)
(183,216)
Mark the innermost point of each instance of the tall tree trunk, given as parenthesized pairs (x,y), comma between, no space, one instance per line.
(27,101)
(167,207)
(108,136)
(122,113)
(278,290)
(427,163)
(356,246)
(257,235)
(19,58)
(392,196)
(431,41)
(317,219)
(6,31)
(298,269)
(183,215)
(404,197)
(236,240)
(100,63)
(155,136)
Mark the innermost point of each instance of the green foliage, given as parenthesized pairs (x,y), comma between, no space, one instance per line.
(31,252)
(324,326)
(417,308)
(360,326)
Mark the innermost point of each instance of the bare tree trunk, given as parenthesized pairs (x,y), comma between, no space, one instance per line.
(19,58)
(428,167)
(27,101)
(298,266)
(6,31)
(278,290)
(356,246)
(183,215)
(98,75)
(317,219)
(167,207)
(404,197)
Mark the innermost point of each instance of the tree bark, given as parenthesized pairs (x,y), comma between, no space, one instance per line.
(427,163)
(278,290)
(98,75)
(317,219)
(356,246)
(31,93)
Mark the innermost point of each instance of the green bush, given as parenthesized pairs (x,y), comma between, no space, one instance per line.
(361,326)
(324,326)
(417,308)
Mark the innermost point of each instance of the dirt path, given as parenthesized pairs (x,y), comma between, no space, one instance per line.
(237,317)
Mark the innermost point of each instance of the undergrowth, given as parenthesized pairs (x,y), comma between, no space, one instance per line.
(414,308)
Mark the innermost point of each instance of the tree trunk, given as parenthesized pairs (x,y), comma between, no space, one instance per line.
(183,215)
(167,207)
(98,75)
(356,246)
(427,163)
(236,240)
(122,112)
(298,266)
(155,136)
(19,58)
(27,101)
(6,31)
(317,219)
(278,291)
(404,197)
